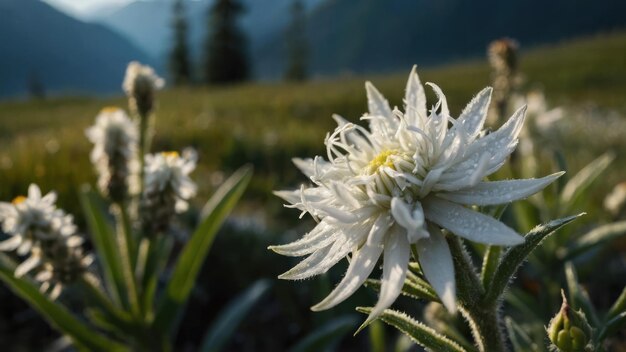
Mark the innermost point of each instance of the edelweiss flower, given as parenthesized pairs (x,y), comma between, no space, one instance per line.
(114,153)
(398,184)
(37,228)
(167,187)
(140,82)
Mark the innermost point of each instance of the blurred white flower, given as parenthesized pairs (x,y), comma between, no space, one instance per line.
(167,187)
(399,183)
(140,83)
(48,235)
(114,136)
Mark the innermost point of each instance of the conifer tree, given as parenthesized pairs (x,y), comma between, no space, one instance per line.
(179,65)
(297,44)
(225,47)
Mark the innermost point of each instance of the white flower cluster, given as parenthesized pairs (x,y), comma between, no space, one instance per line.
(167,187)
(114,136)
(140,83)
(48,235)
(397,185)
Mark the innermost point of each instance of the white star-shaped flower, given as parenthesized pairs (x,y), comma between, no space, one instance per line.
(397,184)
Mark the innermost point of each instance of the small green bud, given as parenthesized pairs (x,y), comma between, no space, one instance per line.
(569,330)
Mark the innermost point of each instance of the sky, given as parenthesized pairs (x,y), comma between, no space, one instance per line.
(86,8)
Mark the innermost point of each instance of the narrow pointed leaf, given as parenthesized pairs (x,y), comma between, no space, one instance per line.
(595,237)
(104,241)
(519,339)
(57,315)
(578,296)
(578,184)
(230,318)
(193,254)
(619,306)
(326,336)
(421,334)
(515,256)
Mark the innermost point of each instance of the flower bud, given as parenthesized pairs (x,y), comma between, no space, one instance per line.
(569,330)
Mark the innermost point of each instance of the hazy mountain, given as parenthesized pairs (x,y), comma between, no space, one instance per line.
(62,53)
(385,35)
(148,23)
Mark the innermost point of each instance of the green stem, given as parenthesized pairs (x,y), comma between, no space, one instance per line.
(618,307)
(127,254)
(483,320)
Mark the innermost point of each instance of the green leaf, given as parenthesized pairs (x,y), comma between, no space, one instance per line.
(578,184)
(421,334)
(578,295)
(228,320)
(515,256)
(192,256)
(59,317)
(410,289)
(595,237)
(326,336)
(612,326)
(519,339)
(376,332)
(104,242)
(490,263)
(156,253)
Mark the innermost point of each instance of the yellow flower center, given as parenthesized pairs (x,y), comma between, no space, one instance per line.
(170,154)
(109,109)
(383,159)
(19,199)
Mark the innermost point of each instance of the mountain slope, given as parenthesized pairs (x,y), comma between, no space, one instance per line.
(66,55)
(385,35)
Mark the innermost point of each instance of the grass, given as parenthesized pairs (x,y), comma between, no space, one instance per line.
(268,124)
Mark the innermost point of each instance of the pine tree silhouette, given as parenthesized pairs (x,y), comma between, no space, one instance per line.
(297,44)
(179,63)
(225,47)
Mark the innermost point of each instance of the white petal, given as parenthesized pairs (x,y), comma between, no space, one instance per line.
(376,102)
(28,265)
(474,114)
(379,230)
(469,224)
(320,261)
(305,165)
(499,192)
(443,103)
(321,236)
(436,262)
(415,97)
(410,218)
(34,192)
(395,266)
(11,244)
(361,266)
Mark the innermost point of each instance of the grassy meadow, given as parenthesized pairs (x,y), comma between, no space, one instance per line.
(268,124)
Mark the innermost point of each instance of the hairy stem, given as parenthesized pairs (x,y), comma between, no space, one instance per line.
(483,320)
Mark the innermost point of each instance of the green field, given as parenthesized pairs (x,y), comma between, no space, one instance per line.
(268,124)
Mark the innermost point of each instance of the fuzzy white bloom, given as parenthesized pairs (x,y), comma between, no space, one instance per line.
(48,235)
(114,136)
(167,187)
(140,83)
(398,184)
(140,78)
